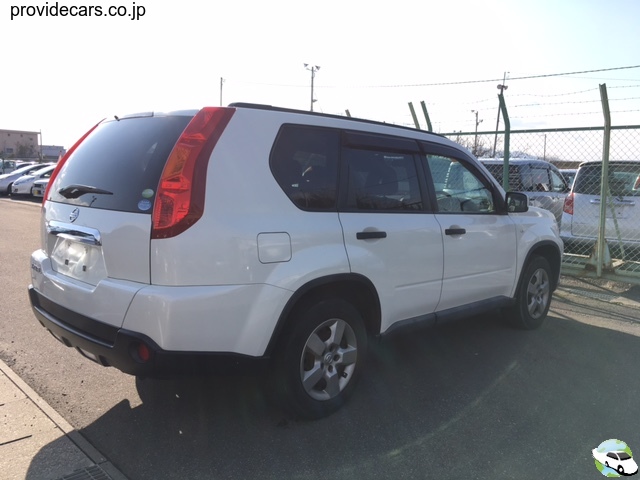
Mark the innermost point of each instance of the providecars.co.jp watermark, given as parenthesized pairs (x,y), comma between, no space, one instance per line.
(133,12)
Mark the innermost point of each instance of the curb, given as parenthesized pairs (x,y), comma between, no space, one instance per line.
(71,433)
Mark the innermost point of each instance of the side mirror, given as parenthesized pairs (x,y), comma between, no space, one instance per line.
(517,202)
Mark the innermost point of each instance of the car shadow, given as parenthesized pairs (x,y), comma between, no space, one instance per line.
(469,399)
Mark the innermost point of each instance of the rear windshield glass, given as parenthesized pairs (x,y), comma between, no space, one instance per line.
(119,165)
(624,179)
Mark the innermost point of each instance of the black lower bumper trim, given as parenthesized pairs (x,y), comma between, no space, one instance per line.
(121,350)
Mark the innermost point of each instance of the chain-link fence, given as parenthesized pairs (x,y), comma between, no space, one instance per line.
(598,212)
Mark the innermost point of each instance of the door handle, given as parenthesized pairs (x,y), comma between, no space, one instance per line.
(455,231)
(370,235)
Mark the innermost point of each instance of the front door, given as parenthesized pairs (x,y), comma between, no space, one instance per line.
(479,241)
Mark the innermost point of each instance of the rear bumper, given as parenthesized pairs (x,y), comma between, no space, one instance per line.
(118,347)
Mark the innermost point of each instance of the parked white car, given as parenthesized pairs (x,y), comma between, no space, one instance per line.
(581,213)
(619,461)
(264,237)
(6,180)
(22,185)
(39,187)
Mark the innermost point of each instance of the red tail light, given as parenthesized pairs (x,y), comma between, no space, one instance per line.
(179,201)
(637,184)
(63,160)
(568,204)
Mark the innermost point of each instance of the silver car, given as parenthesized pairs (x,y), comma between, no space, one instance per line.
(541,181)
(580,218)
(6,180)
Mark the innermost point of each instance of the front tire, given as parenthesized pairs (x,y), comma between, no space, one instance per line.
(533,297)
(320,358)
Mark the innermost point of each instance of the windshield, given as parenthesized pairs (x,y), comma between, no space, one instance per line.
(624,179)
(26,169)
(123,158)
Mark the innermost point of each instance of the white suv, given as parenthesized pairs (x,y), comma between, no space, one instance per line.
(255,236)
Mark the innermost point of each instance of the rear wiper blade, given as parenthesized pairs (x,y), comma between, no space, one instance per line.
(75,191)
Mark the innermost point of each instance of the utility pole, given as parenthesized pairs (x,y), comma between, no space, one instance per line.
(475,141)
(221,82)
(501,87)
(313,69)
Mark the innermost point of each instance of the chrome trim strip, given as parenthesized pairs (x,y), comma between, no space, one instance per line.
(76,233)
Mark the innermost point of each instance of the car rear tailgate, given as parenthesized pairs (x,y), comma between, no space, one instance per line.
(95,263)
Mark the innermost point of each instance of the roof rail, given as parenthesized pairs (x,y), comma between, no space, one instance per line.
(259,106)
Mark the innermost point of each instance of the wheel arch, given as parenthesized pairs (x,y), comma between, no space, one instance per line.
(550,251)
(353,288)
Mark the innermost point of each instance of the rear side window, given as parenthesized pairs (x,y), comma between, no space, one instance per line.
(515,179)
(121,161)
(304,162)
(381,181)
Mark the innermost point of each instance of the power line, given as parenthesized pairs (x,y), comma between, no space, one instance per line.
(462,82)
(438,84)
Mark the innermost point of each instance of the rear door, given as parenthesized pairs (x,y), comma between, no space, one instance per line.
(622,206)
(98,215)
(389,236)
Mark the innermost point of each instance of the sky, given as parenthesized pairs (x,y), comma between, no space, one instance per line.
(61,75)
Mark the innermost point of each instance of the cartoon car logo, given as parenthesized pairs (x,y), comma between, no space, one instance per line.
(615,459)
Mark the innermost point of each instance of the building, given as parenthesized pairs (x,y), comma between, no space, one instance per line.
(19,144)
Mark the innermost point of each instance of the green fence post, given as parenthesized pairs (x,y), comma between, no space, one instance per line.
(426,116)
(413,114)
(507,132)
(604,177)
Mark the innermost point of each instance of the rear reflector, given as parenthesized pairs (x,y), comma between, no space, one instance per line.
(179,202)
(143,353)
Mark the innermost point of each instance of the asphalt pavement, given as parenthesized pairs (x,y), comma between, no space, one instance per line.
(37,443)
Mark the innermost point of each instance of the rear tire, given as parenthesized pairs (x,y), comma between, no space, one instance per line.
(533,297)
(320,358)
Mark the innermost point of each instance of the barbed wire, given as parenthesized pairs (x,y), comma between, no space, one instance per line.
(571,114)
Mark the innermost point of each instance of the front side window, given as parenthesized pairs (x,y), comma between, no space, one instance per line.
(381,181)
(458,189)
(304,162)
(557,182)
(540,180)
